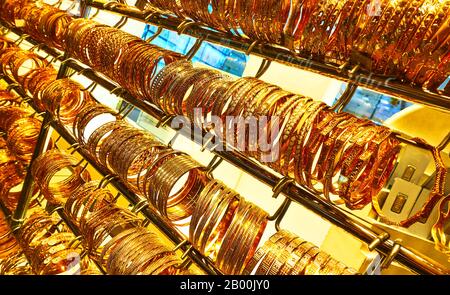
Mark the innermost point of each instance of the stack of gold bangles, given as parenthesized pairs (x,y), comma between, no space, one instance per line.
(8,99)
(316,147)
(143,163)
(16,147)
(21,131)
(113,236)
(55,163)
(405,39)
(17,264)
(123,57)
(226,228)
(44,23)
(286,254)
(51,249)
(34,78)
(8,243)
(17,64)
(64,99)
(330,153)
(137,251)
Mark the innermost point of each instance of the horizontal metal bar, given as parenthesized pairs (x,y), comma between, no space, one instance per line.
(27,188)
(385,85)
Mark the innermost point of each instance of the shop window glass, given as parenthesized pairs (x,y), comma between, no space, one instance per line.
(372,105)
(216,56)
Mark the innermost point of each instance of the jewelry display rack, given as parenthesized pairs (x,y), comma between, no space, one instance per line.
(376,239)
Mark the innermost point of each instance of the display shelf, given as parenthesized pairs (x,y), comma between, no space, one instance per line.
(360,229)
(152,215)
(365,232)
(148,212)
(385,85)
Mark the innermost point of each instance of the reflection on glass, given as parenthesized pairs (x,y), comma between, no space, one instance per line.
(373,106)
(222,58)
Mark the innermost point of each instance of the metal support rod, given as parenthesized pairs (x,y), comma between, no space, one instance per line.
(27,188)
(385,85)
(415,261)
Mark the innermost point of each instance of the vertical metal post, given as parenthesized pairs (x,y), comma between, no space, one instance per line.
(27,188)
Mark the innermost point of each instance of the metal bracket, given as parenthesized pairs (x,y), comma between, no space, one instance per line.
(265,64)
(345,98)
(378,240)
(123,20)
(20,39)
(74,147)
(139,206)
(164,120)
(342,67)
(379,263)
(186,24)
(11,86)
(280,185)
(390,258)
(186,261)
(251,47)
(213,164)
(106,180)
(55,58)
(66,61)
(52,209)
(74,240)
(155,35)
(206,143)
(184,242)
(150,16)
(146,222)
(193,51)
(91,87)
(110,5)
(116,197)
(282,210)
(95,14)
(48,124)
(37,46)
(444,143)
(121,91)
